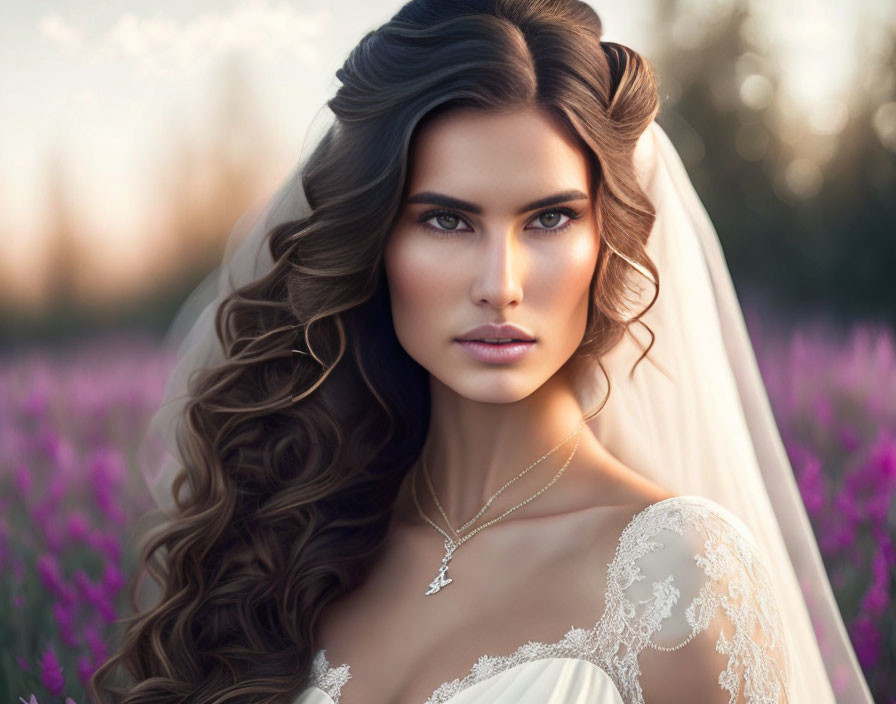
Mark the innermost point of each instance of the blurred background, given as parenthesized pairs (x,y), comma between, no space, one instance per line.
(135,136)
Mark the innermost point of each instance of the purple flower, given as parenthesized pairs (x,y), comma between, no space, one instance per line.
(23,663)
(867,641)
(107,610)
(96,595)
(51,672)
(107,467)
(877,596)
(82,582)
(113,579)
(64,614)
(48,571)
(95,643)
(88,591)
(67,595)
(85,668)
(78,526)
(105,543)
(104,494)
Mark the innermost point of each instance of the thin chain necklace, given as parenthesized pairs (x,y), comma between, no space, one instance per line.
(488,503)
(451,545)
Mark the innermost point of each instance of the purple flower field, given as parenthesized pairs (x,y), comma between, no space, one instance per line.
(70,422)
(70,496)
(834,398)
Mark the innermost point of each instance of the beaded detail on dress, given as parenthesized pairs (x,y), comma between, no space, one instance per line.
(734,605)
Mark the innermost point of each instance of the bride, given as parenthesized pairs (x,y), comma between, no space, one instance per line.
(475,417)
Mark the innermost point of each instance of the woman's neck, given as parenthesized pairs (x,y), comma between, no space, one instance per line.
(473,449)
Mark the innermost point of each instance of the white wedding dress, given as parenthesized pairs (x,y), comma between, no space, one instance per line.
(686,572)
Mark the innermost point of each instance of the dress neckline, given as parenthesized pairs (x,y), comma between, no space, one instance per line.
(487,666)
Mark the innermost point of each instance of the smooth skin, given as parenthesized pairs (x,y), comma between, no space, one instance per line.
(490,259)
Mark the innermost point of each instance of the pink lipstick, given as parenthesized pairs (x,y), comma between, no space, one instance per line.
(497,352)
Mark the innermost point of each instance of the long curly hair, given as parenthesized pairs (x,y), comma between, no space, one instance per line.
(293,459)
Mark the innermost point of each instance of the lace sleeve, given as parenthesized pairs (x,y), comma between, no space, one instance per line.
(699,609)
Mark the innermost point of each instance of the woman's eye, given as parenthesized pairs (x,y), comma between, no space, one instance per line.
(442,222)
(447,221)
(549,219)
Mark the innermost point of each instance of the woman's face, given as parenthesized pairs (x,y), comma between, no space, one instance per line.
(497,227)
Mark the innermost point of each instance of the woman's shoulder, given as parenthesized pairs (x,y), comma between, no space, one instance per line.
(693,518)
(684,539)
(687,570)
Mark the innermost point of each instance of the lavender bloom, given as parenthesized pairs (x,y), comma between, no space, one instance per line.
(78,527)
(65,620)
(866,640)
(51,672)
(48,571)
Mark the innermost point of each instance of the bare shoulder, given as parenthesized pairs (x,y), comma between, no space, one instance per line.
(601,497)
(638,498)
(624,492)
(622,486)
(633,488)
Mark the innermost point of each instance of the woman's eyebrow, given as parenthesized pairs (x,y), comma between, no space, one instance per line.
(434,198)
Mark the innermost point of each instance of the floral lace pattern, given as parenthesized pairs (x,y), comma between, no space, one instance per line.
(736,591)
(330,679)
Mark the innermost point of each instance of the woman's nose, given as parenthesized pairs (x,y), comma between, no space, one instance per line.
(499,272)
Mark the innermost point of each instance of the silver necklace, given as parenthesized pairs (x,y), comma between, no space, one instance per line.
(488,503)
(441,580)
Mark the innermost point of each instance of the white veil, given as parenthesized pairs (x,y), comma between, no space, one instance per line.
(694,417)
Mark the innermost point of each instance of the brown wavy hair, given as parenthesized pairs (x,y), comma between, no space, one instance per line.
(293,459)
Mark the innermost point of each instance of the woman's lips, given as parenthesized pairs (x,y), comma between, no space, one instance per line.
(497,352)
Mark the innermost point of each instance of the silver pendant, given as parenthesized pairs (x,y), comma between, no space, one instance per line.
(440,580)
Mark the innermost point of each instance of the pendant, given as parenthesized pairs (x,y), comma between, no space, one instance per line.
(440,580)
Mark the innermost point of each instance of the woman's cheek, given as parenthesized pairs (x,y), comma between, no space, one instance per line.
(570,291)
(569,276)
(418,289)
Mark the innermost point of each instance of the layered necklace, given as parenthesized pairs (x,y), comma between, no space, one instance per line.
(452,543)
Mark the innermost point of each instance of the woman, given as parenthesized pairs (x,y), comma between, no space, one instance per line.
(456,445)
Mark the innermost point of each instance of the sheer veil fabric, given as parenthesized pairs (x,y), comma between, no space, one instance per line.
(694,417)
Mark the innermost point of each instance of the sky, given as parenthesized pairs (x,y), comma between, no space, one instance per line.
(100,84)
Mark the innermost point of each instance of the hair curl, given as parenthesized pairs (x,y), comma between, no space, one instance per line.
(294,460)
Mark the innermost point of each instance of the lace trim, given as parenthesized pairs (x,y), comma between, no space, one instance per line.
(625,628)
(736,584)
(330,679)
